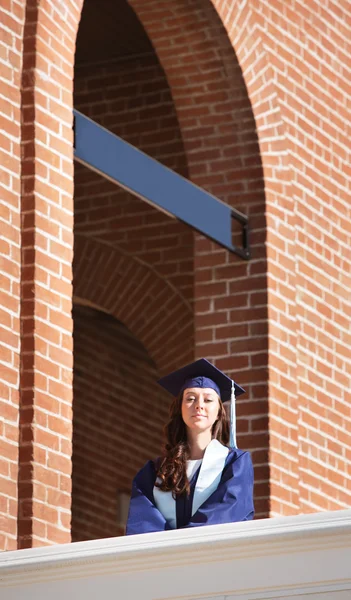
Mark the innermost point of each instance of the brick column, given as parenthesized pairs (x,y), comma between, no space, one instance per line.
(297,71)
(46,292)
(11,30)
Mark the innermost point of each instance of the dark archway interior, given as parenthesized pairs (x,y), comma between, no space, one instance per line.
(120,83)
(112,373)
(109,30)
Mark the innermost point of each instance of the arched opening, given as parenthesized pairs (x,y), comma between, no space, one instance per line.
(223,154)
(192,114)
(132,261)
(116,405)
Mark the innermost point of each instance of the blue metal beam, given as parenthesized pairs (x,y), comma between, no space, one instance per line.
(125,165)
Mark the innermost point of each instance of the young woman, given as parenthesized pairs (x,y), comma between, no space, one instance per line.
(198,480)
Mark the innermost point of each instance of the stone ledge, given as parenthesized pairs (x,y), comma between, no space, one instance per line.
(272,558)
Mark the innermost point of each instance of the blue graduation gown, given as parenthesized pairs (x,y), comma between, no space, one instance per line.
(232,500)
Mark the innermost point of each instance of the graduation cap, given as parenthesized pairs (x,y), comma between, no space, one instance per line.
(203,374)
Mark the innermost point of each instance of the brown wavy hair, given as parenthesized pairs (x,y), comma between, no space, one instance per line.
(171,470)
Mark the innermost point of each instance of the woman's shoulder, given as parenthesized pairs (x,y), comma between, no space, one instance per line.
(239,461)
(149,469)
(236,453)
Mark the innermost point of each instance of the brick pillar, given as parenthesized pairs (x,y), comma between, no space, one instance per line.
(247,30)
(46,291)
(11,29)
(297,71)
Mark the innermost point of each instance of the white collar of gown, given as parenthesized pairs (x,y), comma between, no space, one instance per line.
(207,482)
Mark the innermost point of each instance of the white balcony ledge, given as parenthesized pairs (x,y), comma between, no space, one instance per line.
(307,556)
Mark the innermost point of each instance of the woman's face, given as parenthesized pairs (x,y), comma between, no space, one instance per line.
(200,407)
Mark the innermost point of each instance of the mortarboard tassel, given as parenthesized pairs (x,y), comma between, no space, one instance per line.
(232,441)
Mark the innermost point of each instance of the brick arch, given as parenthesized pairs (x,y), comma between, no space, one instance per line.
(118,418)
(124,286)
(200,62)
(245,30)
(218,128)
(204,76)
(200,46)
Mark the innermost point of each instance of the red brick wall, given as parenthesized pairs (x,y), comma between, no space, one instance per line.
(295,63)
(130,290)
(118,419)
(36,254)
(11,31)
(44,480)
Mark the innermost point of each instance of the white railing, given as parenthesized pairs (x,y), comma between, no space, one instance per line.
(307,556)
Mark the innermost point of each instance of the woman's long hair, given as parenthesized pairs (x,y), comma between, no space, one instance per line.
(171,471)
